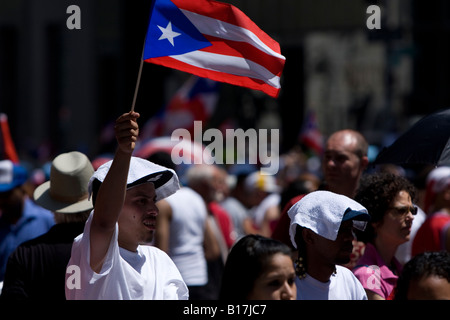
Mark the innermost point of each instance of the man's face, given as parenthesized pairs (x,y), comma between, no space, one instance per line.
(137,220)
(341,165)
(338,251)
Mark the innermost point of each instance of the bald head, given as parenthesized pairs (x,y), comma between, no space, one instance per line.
(345,159)
(352,140)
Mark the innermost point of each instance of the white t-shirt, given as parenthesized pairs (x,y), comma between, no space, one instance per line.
(147,274)
(342,286)
(258,213)
(187,232)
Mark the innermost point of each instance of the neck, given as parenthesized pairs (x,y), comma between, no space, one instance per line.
(348,190)
(385,250)
(320,272)
(127,245)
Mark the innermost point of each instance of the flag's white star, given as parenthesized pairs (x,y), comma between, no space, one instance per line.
(168,33)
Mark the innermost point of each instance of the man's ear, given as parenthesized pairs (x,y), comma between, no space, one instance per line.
(364,162)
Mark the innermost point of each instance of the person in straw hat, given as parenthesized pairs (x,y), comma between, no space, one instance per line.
(112,259)
(36,269)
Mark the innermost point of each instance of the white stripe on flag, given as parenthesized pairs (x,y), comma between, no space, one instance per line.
(229,64)
(228,31)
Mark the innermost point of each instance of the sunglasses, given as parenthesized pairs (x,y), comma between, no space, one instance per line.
(404,210)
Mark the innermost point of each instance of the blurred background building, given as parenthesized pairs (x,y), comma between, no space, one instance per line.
(61,88)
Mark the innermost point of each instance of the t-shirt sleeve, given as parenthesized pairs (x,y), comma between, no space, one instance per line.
(169,277)
(175,287)
(80,263)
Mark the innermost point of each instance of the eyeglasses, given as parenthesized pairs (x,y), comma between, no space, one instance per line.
(404,210)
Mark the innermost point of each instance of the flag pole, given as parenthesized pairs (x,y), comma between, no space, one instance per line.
(136,89)
(138,81)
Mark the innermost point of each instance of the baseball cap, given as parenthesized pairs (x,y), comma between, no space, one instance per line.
(141,170)
(323,212)
(11,175)
(437,181)
(262,182)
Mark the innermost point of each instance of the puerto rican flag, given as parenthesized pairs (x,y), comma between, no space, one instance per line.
(213,40)
(310,134)
(196,100)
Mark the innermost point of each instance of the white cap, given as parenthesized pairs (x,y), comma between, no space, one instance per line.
(262,182)
(437,180)
(141,171)
(323,212)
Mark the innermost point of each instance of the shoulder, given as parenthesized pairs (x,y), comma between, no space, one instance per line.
(163,266)
(354,275)
(155,253)
(159,259)
(346,272)
(364,272)
(32,209)
(186,194)
(439,218)
(346,278)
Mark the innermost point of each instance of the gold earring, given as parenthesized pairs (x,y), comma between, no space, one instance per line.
(300,269)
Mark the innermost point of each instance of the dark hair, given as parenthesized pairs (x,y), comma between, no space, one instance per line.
(245,263)
(423,265)
(376,193)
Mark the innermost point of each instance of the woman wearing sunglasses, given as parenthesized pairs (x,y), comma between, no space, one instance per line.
(389,201)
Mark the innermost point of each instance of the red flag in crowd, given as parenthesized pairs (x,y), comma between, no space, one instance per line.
(8,150)
(195,101)
(213,40)
(310,134)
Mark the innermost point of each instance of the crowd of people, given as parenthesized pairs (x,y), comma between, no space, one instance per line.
(129,229)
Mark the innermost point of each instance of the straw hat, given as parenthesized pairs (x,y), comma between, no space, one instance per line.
(67,189)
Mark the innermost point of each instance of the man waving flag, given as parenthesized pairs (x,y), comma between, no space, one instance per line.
(213,40)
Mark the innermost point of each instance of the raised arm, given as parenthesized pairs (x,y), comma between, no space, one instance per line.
(111,195)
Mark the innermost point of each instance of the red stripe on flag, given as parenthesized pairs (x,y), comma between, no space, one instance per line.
(227,13)
(241,53)
(247,51)
(216,75)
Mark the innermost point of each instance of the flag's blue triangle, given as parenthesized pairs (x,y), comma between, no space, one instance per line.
(184,36)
